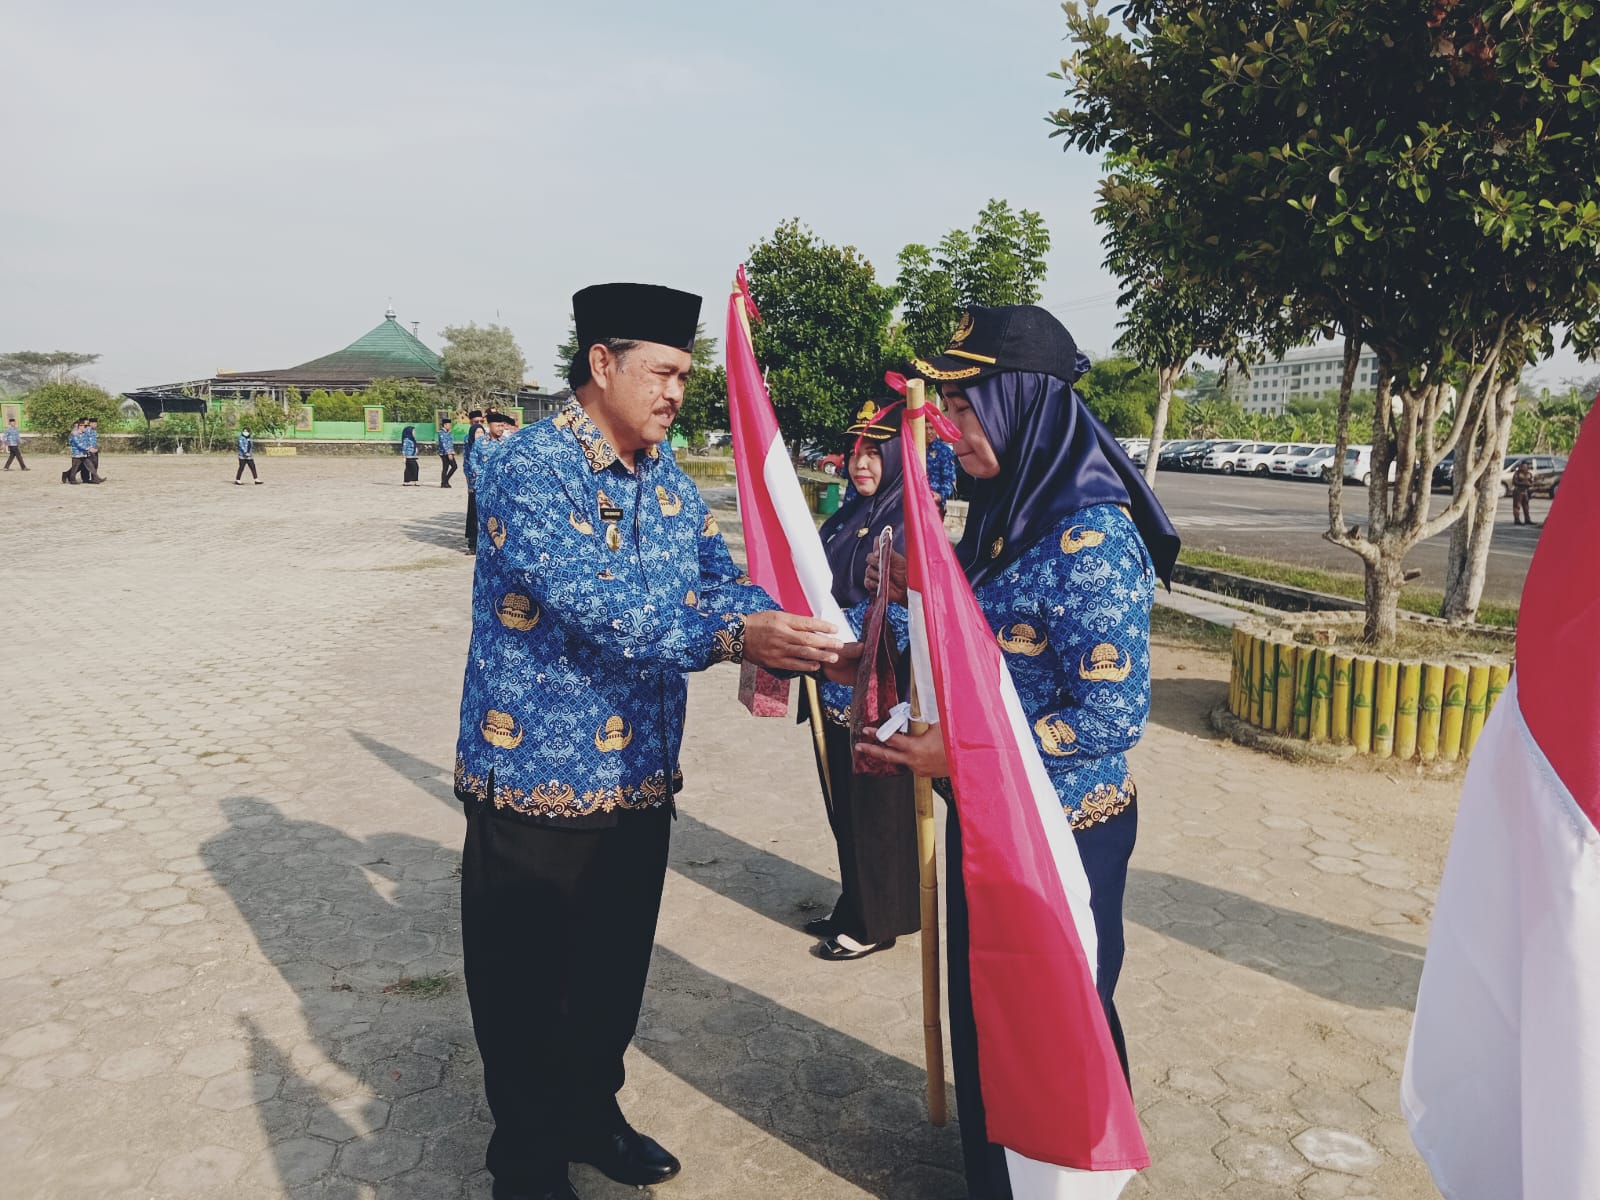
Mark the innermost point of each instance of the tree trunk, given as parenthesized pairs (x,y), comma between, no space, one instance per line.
(1166,377)
(1383,579)
(1470,539)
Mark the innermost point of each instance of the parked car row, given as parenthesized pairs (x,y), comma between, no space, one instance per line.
(1547,472)
(1308,461)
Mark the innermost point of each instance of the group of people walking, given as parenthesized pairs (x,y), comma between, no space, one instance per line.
(83,452)
(604,579)
(492,426)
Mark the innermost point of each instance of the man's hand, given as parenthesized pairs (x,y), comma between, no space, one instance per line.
(844,671)
(897,577)
(781,641)
(923,753)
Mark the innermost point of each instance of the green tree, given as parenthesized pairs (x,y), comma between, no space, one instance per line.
(53,407)
(824,333)
(705,403)
(479,364)
(1123,393)
(1419,180)
(405,401)
(1000,260)
(26,370)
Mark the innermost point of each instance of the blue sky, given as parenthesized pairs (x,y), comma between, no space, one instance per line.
(204,186)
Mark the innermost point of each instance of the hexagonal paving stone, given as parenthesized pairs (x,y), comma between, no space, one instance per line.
(37,1039)
(213,1058)
(141,1062)
(1252,1158)
(403,1075)
(348,1117)
(1336,1150)
(380,1156)
(238,1089)
(831,1075)
(1256,1075)
(204,1172)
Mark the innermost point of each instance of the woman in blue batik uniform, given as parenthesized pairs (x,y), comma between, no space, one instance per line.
(408,450)
(1063,545)
(873,817)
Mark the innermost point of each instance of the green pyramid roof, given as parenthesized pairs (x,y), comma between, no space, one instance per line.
(389,351)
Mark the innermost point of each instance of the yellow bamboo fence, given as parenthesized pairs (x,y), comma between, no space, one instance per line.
(1412,710)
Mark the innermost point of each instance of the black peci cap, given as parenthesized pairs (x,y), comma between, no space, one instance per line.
(496,417)
(1017,337)
(636,312)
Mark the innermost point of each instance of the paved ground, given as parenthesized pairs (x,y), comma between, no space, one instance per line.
(1285,519)
(228,911)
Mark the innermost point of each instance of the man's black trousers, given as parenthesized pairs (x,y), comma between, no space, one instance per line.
(557,926)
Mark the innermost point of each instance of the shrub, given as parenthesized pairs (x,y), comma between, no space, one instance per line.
(53,407)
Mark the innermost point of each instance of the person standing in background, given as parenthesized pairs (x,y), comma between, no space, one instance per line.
(408,451)
(247,458)
(14,444)
(91,451)
(475,430)
(447,453)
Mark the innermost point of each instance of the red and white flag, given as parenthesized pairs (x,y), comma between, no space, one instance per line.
(1502,1078)
(782,548)
(1053,1088)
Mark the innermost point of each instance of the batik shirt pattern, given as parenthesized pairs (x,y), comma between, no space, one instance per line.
(1073,617)
(446,441)
(595,590)
(941,468)
(244,445)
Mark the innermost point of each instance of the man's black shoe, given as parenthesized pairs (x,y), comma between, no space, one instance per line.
(559,1190)
(627,1156)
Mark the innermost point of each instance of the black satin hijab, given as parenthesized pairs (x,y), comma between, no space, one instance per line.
(846,546)
(1055,458)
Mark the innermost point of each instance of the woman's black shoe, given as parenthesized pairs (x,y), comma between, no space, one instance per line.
(831,949)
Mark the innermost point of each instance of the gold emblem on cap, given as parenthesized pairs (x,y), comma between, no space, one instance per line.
(963,331)
(497,531)
(1072,541)
(615,734)
(671,505)
(500,729)
(1023,639)
(867,413)
(1103,666)
(1056,736)
(580,524)
(517,611)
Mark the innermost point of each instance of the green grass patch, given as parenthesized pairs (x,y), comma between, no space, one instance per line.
(1427,601)
(421,987)
(1171,625)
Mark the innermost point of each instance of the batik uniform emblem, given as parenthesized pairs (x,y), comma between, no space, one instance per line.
(1072,541)
(1056,736)
(518,611)
(500,729)
(1024,639)
(671,505)
(580,524)
(710,528)
(1104,665)
(497,531)
(615,734)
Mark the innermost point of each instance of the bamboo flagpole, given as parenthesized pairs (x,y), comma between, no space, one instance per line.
(927,862)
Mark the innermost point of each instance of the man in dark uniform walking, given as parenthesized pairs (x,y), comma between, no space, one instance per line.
(601,580)
(475,430)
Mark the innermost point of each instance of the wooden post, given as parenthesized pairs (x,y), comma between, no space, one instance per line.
(1361,686)
(1321,718)
(1385,695)
(1340,729)
(1477,706)
(1454,715)
(927,861)
(1287,655)
(1302,692)
(1430,710)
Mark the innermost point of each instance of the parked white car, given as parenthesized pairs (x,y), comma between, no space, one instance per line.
(1314,466)
(1220,457)
(1283,464)
(1358,465)
(1253,458)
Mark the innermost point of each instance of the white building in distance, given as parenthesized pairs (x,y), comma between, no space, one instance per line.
(1304,373)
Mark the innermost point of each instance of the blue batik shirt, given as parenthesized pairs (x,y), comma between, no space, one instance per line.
(446,442)
(13,436)
(244,445)
(836,696)
(1073,617)
(596,589)
(477,435)
(75,444)
(941,468)
(91,440)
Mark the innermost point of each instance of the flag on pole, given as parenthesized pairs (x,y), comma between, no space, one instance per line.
(780,538)
(1502,1078)
(1052,1085)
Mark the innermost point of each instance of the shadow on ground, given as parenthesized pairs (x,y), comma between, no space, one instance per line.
(366,1075)
(1336,962)
(441,529)
(1184,705)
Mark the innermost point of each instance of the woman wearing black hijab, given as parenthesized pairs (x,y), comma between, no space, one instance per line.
(408,449)
(873,817)
(1063,545)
